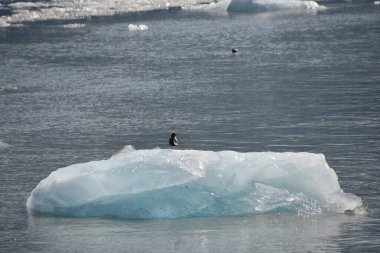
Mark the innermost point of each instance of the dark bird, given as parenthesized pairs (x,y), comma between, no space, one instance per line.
(235,50)
(173,141)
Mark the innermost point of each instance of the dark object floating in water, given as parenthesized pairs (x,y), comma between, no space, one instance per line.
(235,50)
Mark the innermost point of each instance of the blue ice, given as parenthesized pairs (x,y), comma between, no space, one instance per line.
(172,183)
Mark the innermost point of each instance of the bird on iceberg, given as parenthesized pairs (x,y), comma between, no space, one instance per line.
(173,141)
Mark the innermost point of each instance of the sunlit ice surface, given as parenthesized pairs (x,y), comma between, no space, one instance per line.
(24,12)
(170,183)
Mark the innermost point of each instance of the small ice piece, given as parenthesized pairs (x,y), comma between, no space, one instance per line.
(8,88)
(140,27)
(74,26)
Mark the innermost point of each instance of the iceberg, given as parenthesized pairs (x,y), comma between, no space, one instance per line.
(172,183)
(270,5)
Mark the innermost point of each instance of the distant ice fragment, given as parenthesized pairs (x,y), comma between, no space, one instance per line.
(141,27)
(8,88)
(74,26)
(3,144)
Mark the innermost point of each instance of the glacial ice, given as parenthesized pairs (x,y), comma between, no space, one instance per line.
(271,5)
(75,10)
(170,183)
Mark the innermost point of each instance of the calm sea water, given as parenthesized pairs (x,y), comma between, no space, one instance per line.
(302,81)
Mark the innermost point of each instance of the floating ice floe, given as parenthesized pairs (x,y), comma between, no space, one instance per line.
(74,26)
(166,183)
(141,27)
(22,12)
(73,9)
(8,88)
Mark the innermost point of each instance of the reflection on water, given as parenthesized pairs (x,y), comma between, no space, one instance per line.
(359,235)
(288,232)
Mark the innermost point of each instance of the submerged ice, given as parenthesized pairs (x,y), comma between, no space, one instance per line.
(3,144)
(163,183)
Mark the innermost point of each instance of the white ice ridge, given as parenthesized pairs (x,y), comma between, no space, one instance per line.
(79,9)
(168,183)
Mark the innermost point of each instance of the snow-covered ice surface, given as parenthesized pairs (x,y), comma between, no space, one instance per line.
(79,9)
(22,12)
(165,183)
